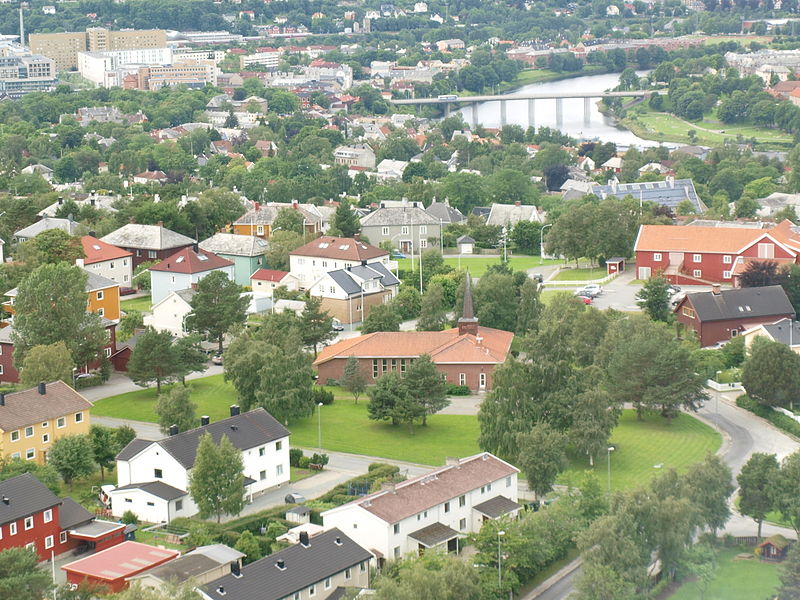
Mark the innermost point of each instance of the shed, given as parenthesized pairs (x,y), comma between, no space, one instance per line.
(615,265)
(299,514)
(466,245)
(774,548)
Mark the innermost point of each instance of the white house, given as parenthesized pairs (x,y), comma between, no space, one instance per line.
(106,260)
(153,477)
(313,260)
(267,280)
(184,269)
(170,313)
(466,245)
(430,511)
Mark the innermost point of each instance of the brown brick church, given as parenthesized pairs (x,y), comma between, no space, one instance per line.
(466,355)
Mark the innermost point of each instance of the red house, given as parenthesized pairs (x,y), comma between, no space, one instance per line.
(32,516)
(686,254)
(718,315)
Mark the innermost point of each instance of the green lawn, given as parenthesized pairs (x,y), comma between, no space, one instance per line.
(580,274)
(736,579)
(641,445)
(141,304)
(477,265)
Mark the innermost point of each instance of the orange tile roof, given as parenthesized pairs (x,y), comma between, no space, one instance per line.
(187,260)
(269,275)
(339,247)
(787,233)
(98,251)
(680,238)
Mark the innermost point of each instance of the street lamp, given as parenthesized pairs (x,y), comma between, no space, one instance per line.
(541,242)
(610,450)
(319,426)
(499,560)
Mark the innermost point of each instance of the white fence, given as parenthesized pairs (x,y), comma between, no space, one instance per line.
(724,387)
(788,413)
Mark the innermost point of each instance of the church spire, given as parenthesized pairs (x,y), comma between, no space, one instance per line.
(468,323)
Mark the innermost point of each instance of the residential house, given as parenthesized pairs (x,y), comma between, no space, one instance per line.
(153,477)
(151,177)
(585,163)
(783,331)
(32,516)
(508,215)
(318,567)
(614,164)
(31,420)
(670,192)
(92,200)
(697,255)
(720,315)
(431,511)
(201,565)
(111,569)
(409,227)
(465,244)
(266,147)
(31,231)
(246,252)
(170,313)
(777,201)
(258,221)
(310,262)
(466,355)
(444,213)
(774,548)
(355,155)
(389,169)
(268,280)
(110,262)
(349,294)
(183,270)
(38,169)
(147,242)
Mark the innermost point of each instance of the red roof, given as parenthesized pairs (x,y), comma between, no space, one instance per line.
(188,261)
(97,251)
(269,275)
(121,561)
(341,248)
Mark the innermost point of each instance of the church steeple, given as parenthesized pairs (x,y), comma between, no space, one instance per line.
(468,323)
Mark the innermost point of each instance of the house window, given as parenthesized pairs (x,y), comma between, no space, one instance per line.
(48,542)
(384,231)
(508,481)
(328,583)
(727,259)
(324,263)
(106,351)
(348,574)
(124,278)
(394,364)
(12,529)
(48,515)
(331,289)
(46,438)
(158,473)
(462,501)
(128,500)
(363,567)
(30,453)
(61,422)
(262,475)
(396,528)
(278,446)
(396,552)
(462,379)
(138,253)
(447,507)
(173,279)
(657,256)
(29,432)
(15,436)
(178,505)
(125,264)
(734,333)
(62,537)
(404,230)
(259,230)
(151,504)
(79,417)
(312,590)
(423,243)
(488,487)
(462,524)
(262,451)
(384,365)
(374,371)
(726,274)
(482,380)
(101,312)
(111,265)
(45,425)
(697,258)
(697,273)
(100,295)
(152,254)
(28,523)
(31,546)
(279,470)
(423,229)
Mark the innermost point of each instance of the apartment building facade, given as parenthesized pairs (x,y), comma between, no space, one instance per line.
(63,48)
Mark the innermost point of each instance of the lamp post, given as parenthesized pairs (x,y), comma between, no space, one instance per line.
(499,560)
(541,242)
(610,450)
(319,426)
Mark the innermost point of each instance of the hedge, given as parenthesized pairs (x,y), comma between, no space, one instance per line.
(780,420)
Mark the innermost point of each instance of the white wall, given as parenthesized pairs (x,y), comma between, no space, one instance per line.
(119,270)
(148,507)
(141,468)
(254,464)
(309,269)
(169,315)
(362,527)
(163,282)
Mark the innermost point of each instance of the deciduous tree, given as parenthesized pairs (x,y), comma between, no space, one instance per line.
(175,407)
(756,481)
(433,313)
(654,300)
(594,417)
(72,456)
(248,545)
(216,482)
(47,363)
(104,447)
(529,309)
(542,456)
(382,317)
(433,576)
(426,386)
(786,490)
(216,307)
(152,359)
(790,575)
(353,380)
(189,356)
(771,374)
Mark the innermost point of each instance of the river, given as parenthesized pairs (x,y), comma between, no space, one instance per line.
(573,120)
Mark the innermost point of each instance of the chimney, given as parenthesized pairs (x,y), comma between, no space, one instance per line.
(517,203)
(452,461)
(236,570)
(221,590)
(92,234)
(715,289)
(295,204)
(60,200)
(338,541)
(304,539)
(2,398)
(92,201)
(93,193)
(42,388)
(281,564)
(173,429)
(6,501)
(204,420)
(256,206)
(235,410)
(196,248)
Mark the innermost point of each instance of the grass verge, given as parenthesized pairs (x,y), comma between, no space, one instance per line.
(477,265)
(142,304)
(586,274)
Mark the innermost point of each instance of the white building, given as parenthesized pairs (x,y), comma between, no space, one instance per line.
(432,510)
(270,59)
(153,477)
(184,269)
(170,313)
(310,262)
(106,260)
(105,68)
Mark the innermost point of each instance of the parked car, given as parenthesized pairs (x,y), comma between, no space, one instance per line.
(673,289)
(336,326)
(586,299)
(591,289)
(676,298)
(294,498)
(126,291)
(538,277)
(397,254)
(216,359)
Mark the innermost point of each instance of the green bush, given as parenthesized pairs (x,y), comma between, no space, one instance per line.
(295,454)
(130,518)
(304,462)
(319,459)
(457,390)
(765,412)
(230,537)
(320,394)
(86,382)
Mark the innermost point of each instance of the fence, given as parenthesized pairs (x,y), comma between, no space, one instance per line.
(725,387)
(788,413)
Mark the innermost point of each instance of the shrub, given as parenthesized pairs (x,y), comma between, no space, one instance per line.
(230,537)
(765,412)
(130,518)
(457,390)
(304,462)
(295,454)
(86,382)
(319,459)
(320,394)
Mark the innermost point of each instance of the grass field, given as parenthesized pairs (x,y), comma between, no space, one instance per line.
(736,579)
(580,274)
(477,265)
(141,304)
(641,445)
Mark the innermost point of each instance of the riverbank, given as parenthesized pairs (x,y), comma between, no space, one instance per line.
(530,76)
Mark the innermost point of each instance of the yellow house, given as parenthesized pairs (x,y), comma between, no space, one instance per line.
(31,420)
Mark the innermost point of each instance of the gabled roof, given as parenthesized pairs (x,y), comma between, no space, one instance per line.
(98,282)
(508,215)
(400,215)
(29,406)
(339,248)
(350,280)
(244,431)
(269,275)
(26,495)
(188,261)
(159,489)
(326,555)
(71,514)
(740,303)
(265,214)
(423,492)
(146,237)
(71,227)
(236,245)
(496,507)
(99,251)
(666,193)
(445,213)
(785,331)
(720,240)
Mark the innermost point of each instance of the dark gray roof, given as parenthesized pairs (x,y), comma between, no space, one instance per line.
(159,489)
(465,239)
(444,212)
(299,510)
(346,282)
(741,303)
(26,495)
(71,514)
(482,211)
(666,193)
(337,594)
(133,448)
(496,507)
(244,431)
(433,534)
(304,566)
(369,271)
(183,568)
(404,215)
(785,331)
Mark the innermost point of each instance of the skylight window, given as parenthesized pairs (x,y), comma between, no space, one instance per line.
(202,257)
(179,259)
(324,244)
(96,247)
(344,246)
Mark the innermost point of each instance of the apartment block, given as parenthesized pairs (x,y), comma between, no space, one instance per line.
(63,48)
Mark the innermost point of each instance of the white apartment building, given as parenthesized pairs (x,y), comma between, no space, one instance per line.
(310,262)
(270,60)
(105,69)
(430,511)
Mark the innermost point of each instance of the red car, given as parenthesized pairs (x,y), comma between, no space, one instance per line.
(586,299)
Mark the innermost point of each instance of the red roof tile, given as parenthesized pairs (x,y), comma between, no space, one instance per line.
(341,248)
(98,251)
(269,275)
(189,261)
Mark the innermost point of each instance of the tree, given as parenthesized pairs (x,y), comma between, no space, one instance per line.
(786,490)
(152,359)
(216,307)
(653,299)
(168,591)
(426,386)
(497,300)
(104,447)
(47,363)
(175,407)
(216,482)
(20,575)
(49,247)
(123,435)
(756,480)
(602,582)
(709,484)
(280,244)
(594,418)
(72,456)
(11,467)
(353,379)
(702,563)
(760,274)
(771,374)
(383,317)
(189,356)
(530,307)
(248,545)
(433,313)
(128,324)
(289,219)
(316,325)
(790,575)
(345,220)
(432,576)
(384,396)
(542,456)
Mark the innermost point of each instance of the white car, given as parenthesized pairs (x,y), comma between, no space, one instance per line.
(592,289)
